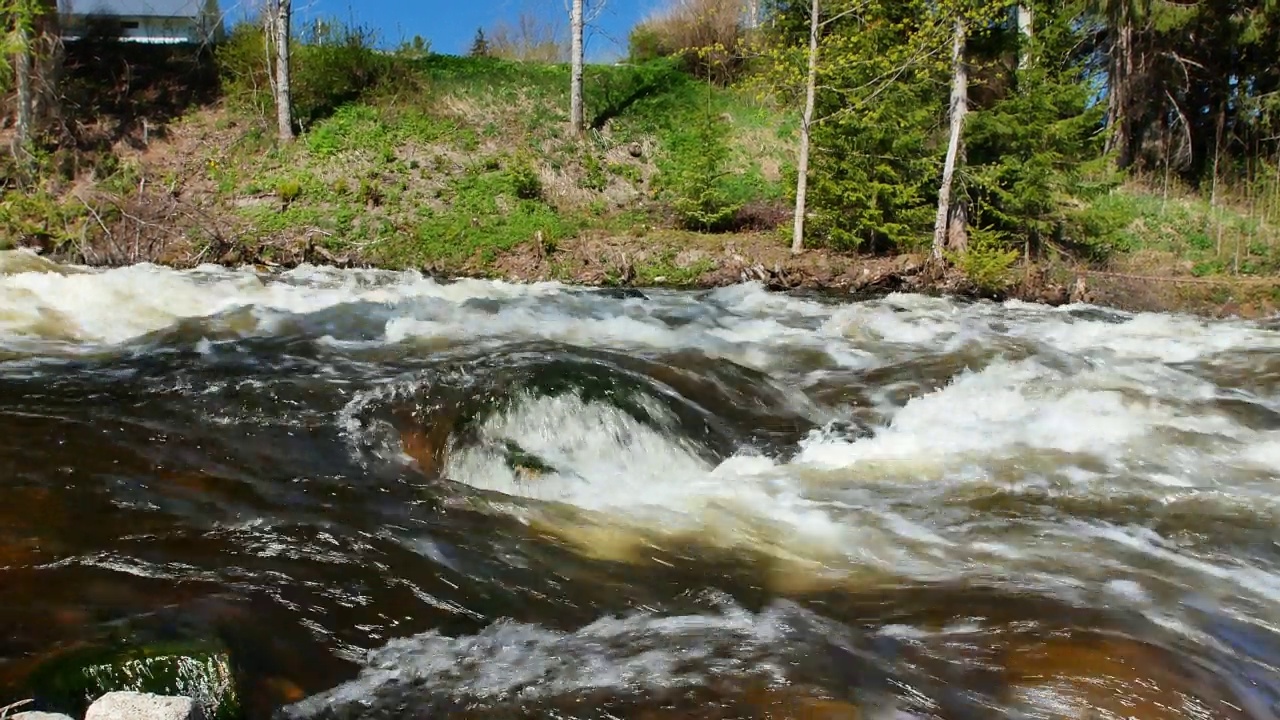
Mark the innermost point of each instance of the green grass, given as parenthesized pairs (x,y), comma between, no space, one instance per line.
(470,157)
(1134,221)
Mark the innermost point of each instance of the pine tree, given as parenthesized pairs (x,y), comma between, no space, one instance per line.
(480,45)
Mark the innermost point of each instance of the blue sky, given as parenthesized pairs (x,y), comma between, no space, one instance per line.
(450,25)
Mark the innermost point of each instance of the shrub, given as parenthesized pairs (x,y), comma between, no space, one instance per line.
(524,178)
(332,64)
(707,35)
(693,175)
(288,190)
(529,39)
(987,260)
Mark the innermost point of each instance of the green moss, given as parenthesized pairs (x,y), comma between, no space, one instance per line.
(199,670)
(663,270)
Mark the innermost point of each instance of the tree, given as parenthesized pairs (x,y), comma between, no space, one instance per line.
(23,44)
(870,167)
(949,226)
(576,121)
(531,38)
(279,19)
(30,40)
(806,122)
(1031,135)
(1025,34)
(480,45)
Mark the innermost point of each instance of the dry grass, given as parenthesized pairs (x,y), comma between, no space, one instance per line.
(529,38)
(709,34)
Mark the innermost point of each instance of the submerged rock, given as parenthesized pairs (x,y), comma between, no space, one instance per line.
(143,706)
(198,670)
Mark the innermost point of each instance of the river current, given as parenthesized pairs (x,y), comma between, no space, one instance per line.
(408,498)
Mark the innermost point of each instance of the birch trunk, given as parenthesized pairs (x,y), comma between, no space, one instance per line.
(806,123)
(26,96)
(948,230)
(576,122)
(1026,23)
(283,88)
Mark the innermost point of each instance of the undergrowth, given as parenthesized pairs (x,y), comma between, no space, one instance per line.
(422,158)
(1138,224)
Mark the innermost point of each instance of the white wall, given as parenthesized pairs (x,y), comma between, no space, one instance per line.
(148,29)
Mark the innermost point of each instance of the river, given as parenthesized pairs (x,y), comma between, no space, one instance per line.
(485,500)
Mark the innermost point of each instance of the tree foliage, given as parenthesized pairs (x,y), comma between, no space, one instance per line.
(1090,89)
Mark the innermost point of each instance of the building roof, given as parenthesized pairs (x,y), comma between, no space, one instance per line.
(132,8)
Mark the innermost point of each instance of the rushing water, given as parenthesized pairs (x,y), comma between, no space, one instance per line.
(480,499)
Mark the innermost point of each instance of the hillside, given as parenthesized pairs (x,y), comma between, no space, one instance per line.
(465,166)
(454,163)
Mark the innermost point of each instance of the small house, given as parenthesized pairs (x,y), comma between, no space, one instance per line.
(170,22)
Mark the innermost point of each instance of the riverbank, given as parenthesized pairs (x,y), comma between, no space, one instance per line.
(468,171)
(699,261)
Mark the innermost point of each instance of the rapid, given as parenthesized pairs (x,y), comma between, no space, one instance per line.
(407,498)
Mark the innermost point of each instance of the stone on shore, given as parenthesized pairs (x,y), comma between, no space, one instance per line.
(198,671)
(127,705)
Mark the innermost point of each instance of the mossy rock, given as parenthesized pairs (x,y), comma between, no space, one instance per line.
(69,682)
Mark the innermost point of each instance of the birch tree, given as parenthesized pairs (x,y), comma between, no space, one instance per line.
(576,122)
(23,70)
(279,19)
(806,122)
(949,226)
(19,43)
(1025,22)
(861,70)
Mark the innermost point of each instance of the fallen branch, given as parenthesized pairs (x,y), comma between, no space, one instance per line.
(4,711)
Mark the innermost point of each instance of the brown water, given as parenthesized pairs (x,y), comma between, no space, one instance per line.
(409,499)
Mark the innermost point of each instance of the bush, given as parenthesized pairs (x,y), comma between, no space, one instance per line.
(987,260)
(242,69)
(693,176)
(332,64)
(288,190)
(524,178)
(706,35)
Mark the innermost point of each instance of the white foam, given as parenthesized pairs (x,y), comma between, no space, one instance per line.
(604,458)
(117,305)
(515,661)
(982,397)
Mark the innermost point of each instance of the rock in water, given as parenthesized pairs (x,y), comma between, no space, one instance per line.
(198,670)
(143,706)
(36,715)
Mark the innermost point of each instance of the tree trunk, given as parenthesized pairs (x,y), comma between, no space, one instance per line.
(1217,156)
(1120,74)
(576,122)
(1025,32)
(283,87)
(949,231)
(47,59)
(806,126)
(26,95)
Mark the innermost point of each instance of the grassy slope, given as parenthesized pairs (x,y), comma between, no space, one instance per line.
(1176,249)
(478,160)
